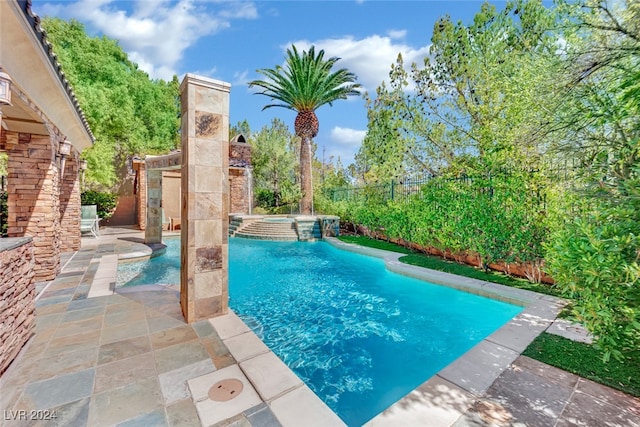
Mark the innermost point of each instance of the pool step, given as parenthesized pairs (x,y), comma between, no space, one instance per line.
(268,230)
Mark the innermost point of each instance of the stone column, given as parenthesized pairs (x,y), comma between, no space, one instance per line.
(153,229)
(141,195)
(33,202)
(204,290)
(70,206)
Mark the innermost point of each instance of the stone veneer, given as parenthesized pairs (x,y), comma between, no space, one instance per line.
(70,206)
(239,164)
(153,230)
(34,199)
(140,190)
(17,297)
(238,181)
(204,289)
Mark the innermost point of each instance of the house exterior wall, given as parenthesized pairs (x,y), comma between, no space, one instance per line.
(17,298)
(34,200)
(171,193)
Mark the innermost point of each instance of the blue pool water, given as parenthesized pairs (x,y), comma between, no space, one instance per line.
(164,270)
(359,336)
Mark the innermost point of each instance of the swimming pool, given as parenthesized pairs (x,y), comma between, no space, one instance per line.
(358,335)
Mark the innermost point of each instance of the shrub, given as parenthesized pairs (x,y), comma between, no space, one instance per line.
(594,259)
(106,202)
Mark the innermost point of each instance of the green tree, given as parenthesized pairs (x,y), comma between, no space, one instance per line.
(273,160)
(128,113)
(305,84)
(242,127)
(593,254)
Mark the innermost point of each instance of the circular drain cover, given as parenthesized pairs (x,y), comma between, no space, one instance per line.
(225,390)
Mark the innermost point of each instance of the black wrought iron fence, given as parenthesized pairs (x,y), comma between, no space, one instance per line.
(403,189)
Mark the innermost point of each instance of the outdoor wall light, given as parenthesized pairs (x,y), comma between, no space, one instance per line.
(5,88)
(63,150)
(82,165)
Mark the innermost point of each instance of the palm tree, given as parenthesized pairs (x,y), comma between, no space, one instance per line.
(304,85)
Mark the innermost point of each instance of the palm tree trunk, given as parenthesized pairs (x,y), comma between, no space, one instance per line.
(306,183)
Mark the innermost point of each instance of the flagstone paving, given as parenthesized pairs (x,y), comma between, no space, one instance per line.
(129,359)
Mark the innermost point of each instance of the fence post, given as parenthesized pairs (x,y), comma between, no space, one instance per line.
(393,185)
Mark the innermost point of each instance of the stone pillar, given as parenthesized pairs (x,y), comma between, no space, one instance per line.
(153,230)
(204,290)
(70,206)
(33,202)
(141,194)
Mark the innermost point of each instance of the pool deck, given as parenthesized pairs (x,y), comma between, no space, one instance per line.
(127,358)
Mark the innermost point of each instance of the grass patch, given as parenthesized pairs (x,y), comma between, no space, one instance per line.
(586,361)
(376,244)
(436,263)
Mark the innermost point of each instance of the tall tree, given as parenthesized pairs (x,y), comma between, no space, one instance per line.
(305,84)
(593,254)
(128,112)
(273,161)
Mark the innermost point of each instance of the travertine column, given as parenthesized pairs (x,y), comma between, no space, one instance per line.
(153,230)
(204,290)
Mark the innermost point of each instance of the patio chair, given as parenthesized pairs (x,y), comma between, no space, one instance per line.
(166,222)
(89,220)
(174,223)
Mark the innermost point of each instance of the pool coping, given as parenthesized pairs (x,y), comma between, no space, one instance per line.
(470,375)
(465,379)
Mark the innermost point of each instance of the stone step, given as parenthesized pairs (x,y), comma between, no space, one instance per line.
(264,237)
(268,230)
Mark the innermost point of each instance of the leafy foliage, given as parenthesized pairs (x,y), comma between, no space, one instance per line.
(273,161)
(128,113)
(481,101)
(499,218)
(594,254)
(106,202)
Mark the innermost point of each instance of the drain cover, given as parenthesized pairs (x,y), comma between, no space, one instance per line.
(225,390)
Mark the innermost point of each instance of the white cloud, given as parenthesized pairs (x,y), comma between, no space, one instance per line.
(397,34)
(347,136)
(156,33)
(240,78)
(369,58)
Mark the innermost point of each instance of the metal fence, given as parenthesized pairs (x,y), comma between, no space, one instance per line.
(403,189)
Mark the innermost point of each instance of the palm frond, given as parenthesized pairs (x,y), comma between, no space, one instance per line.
(306,82)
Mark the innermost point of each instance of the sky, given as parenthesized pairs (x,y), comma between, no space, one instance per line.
(230,40)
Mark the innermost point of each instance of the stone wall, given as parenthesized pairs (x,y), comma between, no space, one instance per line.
(34,200)
(141,193)
(17,297)
(240,151)
(238,180)
(70,206)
